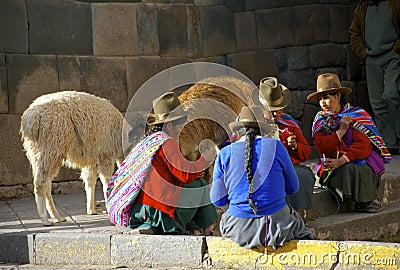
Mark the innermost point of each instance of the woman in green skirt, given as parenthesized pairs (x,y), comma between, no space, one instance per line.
(352,151)
(166,194)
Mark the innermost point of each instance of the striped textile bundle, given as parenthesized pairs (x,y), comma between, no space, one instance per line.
(363,122)
(287,120)
(126,182)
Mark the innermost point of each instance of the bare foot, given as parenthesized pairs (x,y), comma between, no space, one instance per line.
(209,230)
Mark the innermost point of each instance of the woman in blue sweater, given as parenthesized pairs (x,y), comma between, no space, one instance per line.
(252,176)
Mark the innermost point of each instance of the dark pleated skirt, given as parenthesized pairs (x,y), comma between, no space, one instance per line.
(353,182)
(302,199)
(194,211)
(283,225)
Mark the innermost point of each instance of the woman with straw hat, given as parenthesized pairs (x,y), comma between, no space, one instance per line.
(149,189)
(352,151)
(252,176)
(275,96)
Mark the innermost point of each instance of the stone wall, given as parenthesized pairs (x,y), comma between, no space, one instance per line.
(109,49)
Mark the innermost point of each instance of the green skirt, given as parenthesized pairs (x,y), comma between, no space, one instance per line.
(194,211)
(353,182)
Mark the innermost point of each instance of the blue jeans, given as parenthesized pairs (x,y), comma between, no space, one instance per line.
(383,79)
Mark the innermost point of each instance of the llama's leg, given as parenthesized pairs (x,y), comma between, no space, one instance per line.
(51,207)
(105,170)
(40,196)
(89,176)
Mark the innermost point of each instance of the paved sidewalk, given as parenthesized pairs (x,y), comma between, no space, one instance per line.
(21,215)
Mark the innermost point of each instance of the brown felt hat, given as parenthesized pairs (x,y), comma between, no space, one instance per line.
(166,108)
(273,95)
(328,83)
(250,117)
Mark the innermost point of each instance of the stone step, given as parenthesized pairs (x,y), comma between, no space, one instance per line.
(198,252)
(383,226)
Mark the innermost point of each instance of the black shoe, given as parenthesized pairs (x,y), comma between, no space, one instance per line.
(148,231)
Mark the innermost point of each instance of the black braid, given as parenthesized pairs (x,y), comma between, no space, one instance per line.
(251,134)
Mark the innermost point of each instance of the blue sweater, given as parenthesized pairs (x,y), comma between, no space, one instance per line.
(273,174)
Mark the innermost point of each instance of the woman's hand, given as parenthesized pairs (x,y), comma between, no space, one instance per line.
(291,141)
(345,123)
(333,164)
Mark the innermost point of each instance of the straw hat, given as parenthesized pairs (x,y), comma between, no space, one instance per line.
(250,117)
(328,83)
(166,108)
(273,95)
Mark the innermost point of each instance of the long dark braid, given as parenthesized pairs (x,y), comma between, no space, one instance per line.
(250,133)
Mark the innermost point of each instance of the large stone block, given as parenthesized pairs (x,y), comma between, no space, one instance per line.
(139,70)
(257,4)
(295,254)
(288,78)
(282,59)
(327,55)
(296,106)
(172,29)
(297,57)
(245,30)
(60,27)
(3,90)
(217,30)
(194,40)
(255,65)
(30,76)
(105,77)
(114,29)
(72,249)
(362,97)
(274,28)
(69,75)
(147,23)
(14,166)
(311,24)
(236,6)
(157,251)
(13,26)
(208,2)
(305,79)
(310,110)
(14,249)
(355,68)
(339,23)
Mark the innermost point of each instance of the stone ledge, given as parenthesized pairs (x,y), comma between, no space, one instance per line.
(194,252)
(225,254)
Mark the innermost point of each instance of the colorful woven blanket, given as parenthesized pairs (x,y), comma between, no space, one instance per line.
(329,122)
(126,182)
(287,120)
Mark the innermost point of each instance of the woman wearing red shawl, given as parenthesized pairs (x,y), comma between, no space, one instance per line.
(275,97)
(352,151)
(156,189)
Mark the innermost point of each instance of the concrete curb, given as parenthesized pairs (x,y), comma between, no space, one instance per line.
(225,254)
(199,252)
(117,250)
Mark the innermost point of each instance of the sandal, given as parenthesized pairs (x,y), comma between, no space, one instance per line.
(368,207)
(374,207)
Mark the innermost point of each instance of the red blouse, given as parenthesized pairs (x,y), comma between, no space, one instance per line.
(330,144)
(169,170)
(303,148)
